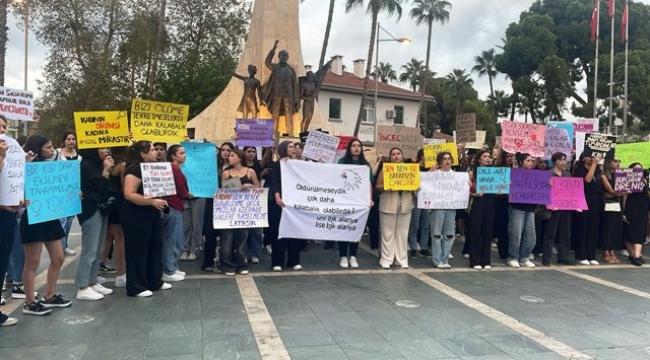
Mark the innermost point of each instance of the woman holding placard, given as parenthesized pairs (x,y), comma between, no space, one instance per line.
(67,151)
(558,227)
(143,228)
(481,218)
(612,219)
(34,236)
(635,210)
(586,224)
(233,254)
(521,224)
(394,219)
(443,221)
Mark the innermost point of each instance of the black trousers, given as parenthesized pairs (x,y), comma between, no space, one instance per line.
(587,226)
(501,225)
(345,246)
(210,235)
(558,229)
(143,244)
(233,253)
(7,230)
(286,251)
(373,224)
(481,223)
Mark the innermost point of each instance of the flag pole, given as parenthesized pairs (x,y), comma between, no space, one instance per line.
(627,43)
(611,72)
(596,62)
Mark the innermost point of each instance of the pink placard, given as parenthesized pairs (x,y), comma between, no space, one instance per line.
(567,193)
(523,137)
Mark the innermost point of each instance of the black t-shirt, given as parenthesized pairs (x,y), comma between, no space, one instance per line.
(136,171)
(591,188)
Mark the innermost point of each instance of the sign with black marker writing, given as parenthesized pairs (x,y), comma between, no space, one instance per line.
(493,180)
(321,147)
(443,190)
(239,208)
(12,175)
(157,180)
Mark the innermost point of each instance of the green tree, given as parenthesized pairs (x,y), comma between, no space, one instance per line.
(460,84)
(412,74)
(385,71)
(485,66)
(390,7)
(499,103)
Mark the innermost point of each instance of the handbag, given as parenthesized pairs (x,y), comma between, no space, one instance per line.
(612,207)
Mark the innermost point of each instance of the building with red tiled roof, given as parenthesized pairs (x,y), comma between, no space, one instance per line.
(340,97)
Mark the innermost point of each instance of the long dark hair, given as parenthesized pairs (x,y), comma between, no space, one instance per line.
(35,144)
(91,156)
(221,160)
(65,136)
(255,161)
(401,152)
(172,151)
(477,158)
(521,157)
(134,158)
(347,158)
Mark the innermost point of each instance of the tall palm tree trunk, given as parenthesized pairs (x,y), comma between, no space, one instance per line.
(491,86)
(327,34)
(3,40)
(371,50)
(422,111)
(156,54)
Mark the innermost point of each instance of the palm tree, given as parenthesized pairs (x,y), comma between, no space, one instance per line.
(499,102)
(428,11)
(459,82)
(412,74)
(156,54)
(391,7)
(328,27)
(485,66)
(386,73)
(3,39)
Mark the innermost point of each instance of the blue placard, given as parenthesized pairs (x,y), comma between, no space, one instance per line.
(200,168)
(563,125)
(52,188)
(493,180)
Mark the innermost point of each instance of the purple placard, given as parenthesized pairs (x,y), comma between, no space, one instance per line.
(557,140)
(585,128)
(629,180)
(254,132)
(530,187)
(567,193)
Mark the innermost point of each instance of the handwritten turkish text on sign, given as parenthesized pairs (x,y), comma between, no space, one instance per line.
(321,146)
(405,177)
(158,121)
(569,127)
(443,190)
(100,129)
(431,151)
(466,128)
(480,140)
(254,132)
(406,138)
(629,179)
(16,104)
(157,180)
(600,144)
(52,188)
(557,140)
(200,168)
(12,175)
(324,201)
(238,209)
(567,193)
(522,137)
(493,180)
(529,187)
(634,152)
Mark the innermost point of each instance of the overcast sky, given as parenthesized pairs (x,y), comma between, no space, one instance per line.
(474,25)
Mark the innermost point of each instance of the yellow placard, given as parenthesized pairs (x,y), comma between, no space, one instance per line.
(401,176)
(432,150)
(99,129)
(158,121)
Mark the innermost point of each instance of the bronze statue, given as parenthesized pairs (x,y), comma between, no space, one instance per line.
(281,92)
(309,86)
(252,89)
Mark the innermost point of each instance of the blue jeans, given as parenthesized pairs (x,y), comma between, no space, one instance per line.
(443,232)
(521,232)
(172,241)
(255,242)
(420,220)
(17,259)
(93,236)
(66,224)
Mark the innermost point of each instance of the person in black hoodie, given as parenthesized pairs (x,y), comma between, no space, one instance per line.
(98,192)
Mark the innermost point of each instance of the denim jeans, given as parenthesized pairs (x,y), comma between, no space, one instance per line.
(233,253)
(443,232)
(420,220)
(173,239)
(255,242)
(521,232)
(66,224)
(93,236)
(17,259)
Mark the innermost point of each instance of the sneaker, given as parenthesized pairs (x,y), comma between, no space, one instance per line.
(89,294)
(101,289)
(447,266)
(9,321)
(584,262)
(120,281)
(297,267)
(57,301)
(181,273)
(488,267)
(35,308)
(145,293)
(267,249)
(404,266)
(277,268)
(344,262)
(385,266)
(255,260)
(353,262)
(243,272)
(593,262)
(106,269)
(647,240)
(166,286)
(465,256)
(101,280)
(183,256)
(636,262)
(425,253)
(528,264)
(69,252)
(441,266)
(191,257)
(229,273)
(172,277)
(18,292)
(2,300)
(624,252)
(477,267)
(513,263)
(450,257)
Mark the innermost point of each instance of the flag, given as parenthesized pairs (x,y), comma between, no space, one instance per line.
(624,23)
(612,8)
(594,21)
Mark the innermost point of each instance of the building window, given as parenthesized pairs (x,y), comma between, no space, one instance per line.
(335,109)
(399,115)
(369,113)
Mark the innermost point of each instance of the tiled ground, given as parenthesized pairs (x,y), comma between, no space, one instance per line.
(326,313)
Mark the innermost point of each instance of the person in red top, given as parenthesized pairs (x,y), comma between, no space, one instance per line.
(173,217)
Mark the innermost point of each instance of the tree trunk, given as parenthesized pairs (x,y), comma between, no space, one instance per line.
(371,49)
(514,105)
(156,53)
(327,34)
(3,40)
(422,110)
(491,86)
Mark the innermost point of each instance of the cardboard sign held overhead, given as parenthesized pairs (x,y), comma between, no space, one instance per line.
(158,121)
(254,132)
(466,128)
(480,140)
(522,137)
(604,145)
(443,136)
(406,138)
(100,129)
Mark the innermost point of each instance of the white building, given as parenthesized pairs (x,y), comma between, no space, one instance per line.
(340,97)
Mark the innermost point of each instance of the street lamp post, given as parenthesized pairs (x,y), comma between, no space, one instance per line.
(26,63)
(392,38)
